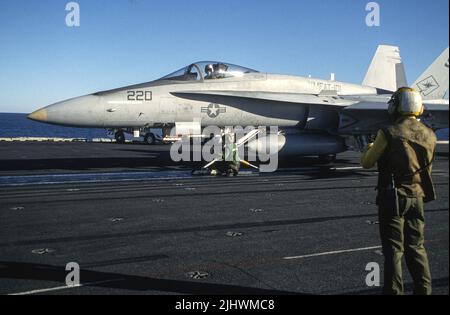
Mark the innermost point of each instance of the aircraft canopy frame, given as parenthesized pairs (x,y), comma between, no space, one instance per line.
(208,70)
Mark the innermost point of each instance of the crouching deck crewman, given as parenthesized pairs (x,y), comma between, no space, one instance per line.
(231,162)
(404,153)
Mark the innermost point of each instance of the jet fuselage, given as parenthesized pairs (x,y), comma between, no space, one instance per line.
(159,102)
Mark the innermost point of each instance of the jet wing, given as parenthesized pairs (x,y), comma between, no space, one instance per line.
(359,114)
(295,98)
(366,118)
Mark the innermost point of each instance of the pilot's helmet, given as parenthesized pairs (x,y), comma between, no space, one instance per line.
(406,102)
(222,67)
(209,69)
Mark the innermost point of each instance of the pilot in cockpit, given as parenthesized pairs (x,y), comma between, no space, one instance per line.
(209,70)
(215,71)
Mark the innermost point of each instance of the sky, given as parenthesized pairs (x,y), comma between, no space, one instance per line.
(122,42)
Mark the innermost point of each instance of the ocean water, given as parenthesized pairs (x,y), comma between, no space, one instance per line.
(17,125)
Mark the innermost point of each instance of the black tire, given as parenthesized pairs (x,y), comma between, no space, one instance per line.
(327,159)
(120,137)
(150,139)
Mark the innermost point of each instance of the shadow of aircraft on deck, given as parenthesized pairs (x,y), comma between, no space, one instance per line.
(38,272)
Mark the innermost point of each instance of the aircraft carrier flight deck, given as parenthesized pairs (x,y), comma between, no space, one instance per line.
(136,222)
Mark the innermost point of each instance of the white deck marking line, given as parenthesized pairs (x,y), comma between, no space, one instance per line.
(63,287)
(90,174)
(333,252)
(348,168)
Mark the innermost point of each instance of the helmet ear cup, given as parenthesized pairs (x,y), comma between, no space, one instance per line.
(422,110)
(392,108)
(393,104)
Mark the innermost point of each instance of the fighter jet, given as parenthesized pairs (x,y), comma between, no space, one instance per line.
(322,113)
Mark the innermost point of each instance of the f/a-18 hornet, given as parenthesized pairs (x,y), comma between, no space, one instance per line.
(316,116)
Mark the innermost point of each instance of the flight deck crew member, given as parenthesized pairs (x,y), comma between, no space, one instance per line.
(231,158)
(230,163)
(404,153)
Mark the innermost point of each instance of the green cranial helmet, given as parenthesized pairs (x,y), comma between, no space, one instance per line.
(406,102)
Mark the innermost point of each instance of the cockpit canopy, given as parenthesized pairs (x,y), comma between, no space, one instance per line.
(208,70)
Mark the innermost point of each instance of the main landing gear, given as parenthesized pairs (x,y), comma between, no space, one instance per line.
(120,136)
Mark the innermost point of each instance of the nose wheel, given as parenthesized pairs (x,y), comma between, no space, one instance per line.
(150,138)
(120,137)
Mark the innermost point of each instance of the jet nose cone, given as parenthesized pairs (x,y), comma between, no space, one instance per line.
(40,115)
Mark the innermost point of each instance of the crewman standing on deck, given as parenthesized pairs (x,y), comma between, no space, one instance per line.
(404,153)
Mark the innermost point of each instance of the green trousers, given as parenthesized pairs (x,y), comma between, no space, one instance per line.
(402,234)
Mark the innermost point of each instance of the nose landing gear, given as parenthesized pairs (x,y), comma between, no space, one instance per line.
(150,138)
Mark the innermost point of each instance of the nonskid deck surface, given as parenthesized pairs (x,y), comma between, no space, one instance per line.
(308,228)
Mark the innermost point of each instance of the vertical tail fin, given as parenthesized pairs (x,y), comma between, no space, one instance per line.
(433,83)
(386,71)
